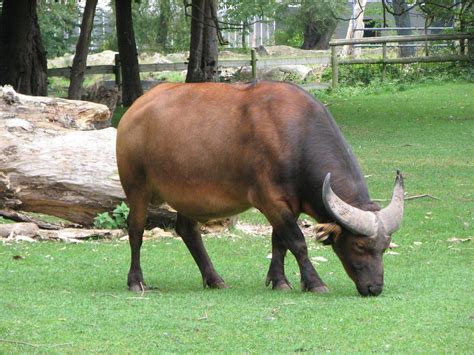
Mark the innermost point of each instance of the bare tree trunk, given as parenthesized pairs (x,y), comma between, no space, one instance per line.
(22,56)
(82,48)
(356,23)
(202,64)
(402,19)
(132,88)
(316,36)
(243,35)
(163,24)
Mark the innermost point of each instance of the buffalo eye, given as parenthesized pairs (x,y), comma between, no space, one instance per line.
(360,247)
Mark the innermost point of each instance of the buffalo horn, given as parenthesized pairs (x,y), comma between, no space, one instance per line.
(356,220)
(391,215)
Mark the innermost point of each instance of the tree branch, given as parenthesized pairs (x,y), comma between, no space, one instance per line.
(407,198)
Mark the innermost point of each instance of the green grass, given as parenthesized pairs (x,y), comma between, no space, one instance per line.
(4,220)
(72,298)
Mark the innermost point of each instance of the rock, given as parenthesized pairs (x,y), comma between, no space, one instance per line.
(106,94)
(283,72)
(261,51)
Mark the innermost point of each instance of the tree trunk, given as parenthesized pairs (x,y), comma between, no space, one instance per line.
(82,48)
(22,56)
(163,24)
(55,161)
(316,36)
(466,20)
(356,23)
(402,19)
(131,85)
(202,64)
(243,38)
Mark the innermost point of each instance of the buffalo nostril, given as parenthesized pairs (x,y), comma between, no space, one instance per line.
(375,290)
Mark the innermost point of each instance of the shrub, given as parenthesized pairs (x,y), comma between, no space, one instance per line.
(118,220)
(363,75)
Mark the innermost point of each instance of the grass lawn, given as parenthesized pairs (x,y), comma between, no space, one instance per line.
(72,298)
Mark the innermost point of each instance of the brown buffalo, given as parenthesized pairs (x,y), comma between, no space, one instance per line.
(214,150)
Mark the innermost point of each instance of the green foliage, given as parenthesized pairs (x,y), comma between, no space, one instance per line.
(146,22)
(4,220)
(291,36)
(426,131)
(294,15)
(459,13)
(243,11)
(241,14)
(59,25)
(116,221)
(368,78)
(118,113)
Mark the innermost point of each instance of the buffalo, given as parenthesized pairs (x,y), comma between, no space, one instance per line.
(213,150)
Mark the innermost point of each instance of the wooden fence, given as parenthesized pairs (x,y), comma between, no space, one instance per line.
(335,61)
(159,67)
(265,63)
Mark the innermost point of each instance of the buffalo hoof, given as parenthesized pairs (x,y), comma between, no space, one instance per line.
(216,285)
(316,289)
(281,284)
(139,287)
(319,289)
(219,283)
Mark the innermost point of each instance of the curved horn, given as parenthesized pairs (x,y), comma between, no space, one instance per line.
(356,220)
(392,215)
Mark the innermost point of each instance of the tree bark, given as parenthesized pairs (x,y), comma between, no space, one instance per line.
(163,24)
(202,64)
(54,161)
(22,55)
(29,232)
(82,48)
(357,22)
(316,36)
(402,19)
(131,85)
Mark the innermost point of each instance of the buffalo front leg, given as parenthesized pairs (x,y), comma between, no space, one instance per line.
(285,226)
(136,225)
(188,230)
(276,272)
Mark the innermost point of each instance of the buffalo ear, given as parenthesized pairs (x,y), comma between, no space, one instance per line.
(327,233)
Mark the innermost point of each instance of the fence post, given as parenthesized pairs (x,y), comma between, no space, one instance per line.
(253,62)
(384,64)
(334,65)
(118,71)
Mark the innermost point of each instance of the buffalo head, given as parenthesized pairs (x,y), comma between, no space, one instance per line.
(360,237)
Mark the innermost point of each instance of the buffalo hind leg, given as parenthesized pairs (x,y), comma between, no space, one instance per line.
(276,272)
(188,230)
(136,224)
(285,226)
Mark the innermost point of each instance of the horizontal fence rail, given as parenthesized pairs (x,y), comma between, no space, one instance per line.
(426,29)
(401,39)
(335,61)
(159,67)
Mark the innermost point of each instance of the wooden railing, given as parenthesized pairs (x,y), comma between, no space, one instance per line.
(159,67)
(335,61)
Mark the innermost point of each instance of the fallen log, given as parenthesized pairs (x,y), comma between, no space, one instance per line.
(54,160)
(31,232)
